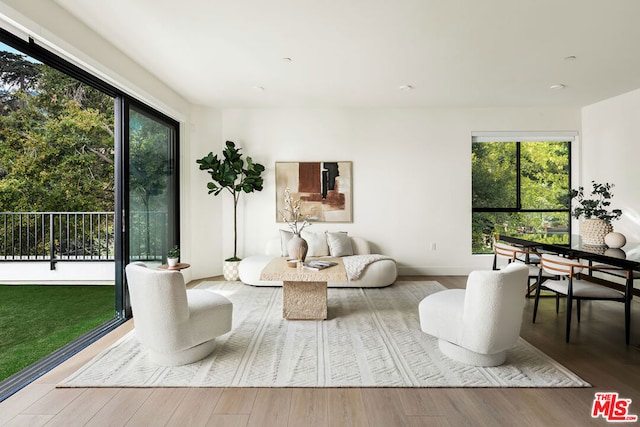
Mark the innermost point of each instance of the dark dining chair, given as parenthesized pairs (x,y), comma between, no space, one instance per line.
(570,285)
(504,254)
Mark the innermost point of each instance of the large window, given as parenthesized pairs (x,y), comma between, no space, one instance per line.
(520,187)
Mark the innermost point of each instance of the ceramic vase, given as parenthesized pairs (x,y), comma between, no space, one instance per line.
(593,231)
(615,240)
(297,248)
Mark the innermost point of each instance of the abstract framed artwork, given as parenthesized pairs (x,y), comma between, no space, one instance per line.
(325,187)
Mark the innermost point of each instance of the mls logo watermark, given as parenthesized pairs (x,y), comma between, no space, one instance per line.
(612,408)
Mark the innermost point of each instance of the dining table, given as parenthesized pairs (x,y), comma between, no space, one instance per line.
(627,258)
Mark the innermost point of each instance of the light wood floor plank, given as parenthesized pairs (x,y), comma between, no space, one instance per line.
(121,408)
(431,402)
(159,407)
(82,409)
(470,410)
(17,403)
(236,401)
(383,407)
(228,420)
(54,401)
(196,407)
(309,407)
(271,407)
(346,408)
(424,421)
(29,421)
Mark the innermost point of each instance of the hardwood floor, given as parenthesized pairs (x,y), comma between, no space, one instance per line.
(597,353)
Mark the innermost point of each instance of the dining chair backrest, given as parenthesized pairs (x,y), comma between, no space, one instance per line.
(560,266)
(506,251)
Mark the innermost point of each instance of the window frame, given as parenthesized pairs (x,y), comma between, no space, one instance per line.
(518,138)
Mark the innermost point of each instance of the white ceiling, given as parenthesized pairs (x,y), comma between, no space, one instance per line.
(357,53)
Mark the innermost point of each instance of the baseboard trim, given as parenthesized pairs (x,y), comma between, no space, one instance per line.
(433,271)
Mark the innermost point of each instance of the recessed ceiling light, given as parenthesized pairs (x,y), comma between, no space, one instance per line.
(557,86)
(570,58)
(259,88)
(406,87)
(286,59)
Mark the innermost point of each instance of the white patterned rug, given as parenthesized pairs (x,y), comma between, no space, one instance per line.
(372,338)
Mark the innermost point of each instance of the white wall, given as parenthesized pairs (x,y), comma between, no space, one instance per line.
(201,213)
(66,273)
(411,173)
(54,28)
(611,152)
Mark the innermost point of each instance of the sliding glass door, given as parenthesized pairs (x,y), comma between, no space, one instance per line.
(86,134)
(149,199)
(152,177)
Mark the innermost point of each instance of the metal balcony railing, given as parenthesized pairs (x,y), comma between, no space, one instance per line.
(56,236)
(77,236)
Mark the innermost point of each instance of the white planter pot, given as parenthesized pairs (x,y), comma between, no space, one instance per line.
(230,270)
(172,262)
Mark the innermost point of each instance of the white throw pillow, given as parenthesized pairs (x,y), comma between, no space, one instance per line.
(285,236)
(339,244)
(317,243)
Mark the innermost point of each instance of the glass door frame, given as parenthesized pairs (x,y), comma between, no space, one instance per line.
(122,205)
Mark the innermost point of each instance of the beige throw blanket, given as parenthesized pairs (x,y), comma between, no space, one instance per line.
(355,264)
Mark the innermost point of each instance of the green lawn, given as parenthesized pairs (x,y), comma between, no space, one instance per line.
(37,320)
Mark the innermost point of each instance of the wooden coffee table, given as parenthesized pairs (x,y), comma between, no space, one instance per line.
(304,292)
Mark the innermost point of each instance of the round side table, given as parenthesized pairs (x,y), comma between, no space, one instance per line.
(179,266)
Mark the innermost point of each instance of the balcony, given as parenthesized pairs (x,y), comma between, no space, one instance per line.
(73,247)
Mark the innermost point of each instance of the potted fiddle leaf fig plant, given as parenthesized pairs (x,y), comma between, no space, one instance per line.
(232,174)
(596,212)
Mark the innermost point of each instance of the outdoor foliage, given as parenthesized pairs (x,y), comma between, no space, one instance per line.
(543,185)
(494,175)
(56,140)
(149,173)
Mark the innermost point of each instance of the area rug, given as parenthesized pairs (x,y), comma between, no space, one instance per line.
(372,338)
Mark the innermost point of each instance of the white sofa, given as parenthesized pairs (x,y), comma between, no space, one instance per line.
(367,270)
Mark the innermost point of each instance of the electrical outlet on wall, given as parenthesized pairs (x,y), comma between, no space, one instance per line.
(432,246)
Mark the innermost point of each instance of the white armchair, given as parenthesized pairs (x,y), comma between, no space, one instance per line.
(176,325)
(477,325)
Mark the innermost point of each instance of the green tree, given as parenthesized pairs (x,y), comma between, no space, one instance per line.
(544,175)
(17,71)
(56,144)
(149,175)
(494,174)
